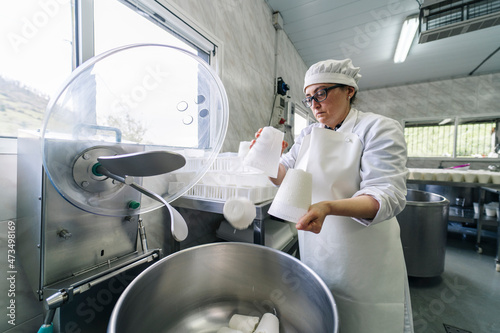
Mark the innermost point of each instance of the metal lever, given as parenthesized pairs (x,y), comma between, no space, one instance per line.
(143,164)
(178,226)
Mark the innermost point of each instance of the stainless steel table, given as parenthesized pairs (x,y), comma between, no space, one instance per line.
(214,206)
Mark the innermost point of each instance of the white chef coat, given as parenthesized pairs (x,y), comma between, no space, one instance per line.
(380,171)
(383,163)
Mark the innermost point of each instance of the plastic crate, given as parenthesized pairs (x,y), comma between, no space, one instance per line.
(223,193)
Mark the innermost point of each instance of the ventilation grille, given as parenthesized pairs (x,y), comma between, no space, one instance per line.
(450,18)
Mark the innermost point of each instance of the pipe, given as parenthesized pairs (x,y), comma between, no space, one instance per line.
(488,57)
(142,234)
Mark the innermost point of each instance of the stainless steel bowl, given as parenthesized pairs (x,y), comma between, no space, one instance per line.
(200,288)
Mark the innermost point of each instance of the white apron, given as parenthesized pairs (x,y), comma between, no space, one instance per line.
(363,266)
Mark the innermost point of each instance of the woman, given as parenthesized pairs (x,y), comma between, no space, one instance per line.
(350,236)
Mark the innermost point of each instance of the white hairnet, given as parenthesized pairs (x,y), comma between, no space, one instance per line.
(333,71)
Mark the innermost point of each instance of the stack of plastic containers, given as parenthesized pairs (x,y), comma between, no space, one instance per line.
(455,175)
(228,178)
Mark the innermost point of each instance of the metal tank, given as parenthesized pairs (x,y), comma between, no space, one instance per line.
(423,225)
(199,289)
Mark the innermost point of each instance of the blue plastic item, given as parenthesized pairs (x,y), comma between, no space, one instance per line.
(46,328)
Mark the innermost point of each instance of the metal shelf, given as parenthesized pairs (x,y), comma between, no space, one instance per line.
(216,206)
(467,215)
(460,214)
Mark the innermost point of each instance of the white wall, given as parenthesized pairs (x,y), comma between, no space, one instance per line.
(248,64)
(467,96)
(245,28)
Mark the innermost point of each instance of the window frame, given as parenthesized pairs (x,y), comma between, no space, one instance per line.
(299,110)
(164,13)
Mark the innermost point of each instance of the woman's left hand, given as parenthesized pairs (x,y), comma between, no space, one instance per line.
(314,218)
(284,144)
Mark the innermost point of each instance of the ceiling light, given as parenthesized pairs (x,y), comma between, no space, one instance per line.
(408,31)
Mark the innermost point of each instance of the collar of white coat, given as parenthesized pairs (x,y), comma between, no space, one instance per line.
(349,121)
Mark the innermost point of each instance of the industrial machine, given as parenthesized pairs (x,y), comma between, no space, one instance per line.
(130,131)
(279,111)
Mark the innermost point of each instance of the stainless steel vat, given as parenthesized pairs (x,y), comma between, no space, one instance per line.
(423,225)
(200,288)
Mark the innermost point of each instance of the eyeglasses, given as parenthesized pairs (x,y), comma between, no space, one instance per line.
(319,96)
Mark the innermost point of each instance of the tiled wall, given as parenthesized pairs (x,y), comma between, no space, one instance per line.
(245,28)
(248,68)
(467,96)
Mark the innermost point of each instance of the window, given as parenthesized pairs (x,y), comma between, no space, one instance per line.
(122,23)
(302,119)
(35,58)
(477,138)
(45,40)
(116,25)
(453,137)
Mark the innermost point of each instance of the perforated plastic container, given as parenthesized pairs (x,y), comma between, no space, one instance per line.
(223,193)
(227,178)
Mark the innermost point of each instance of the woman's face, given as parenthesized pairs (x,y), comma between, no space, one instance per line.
(335,107)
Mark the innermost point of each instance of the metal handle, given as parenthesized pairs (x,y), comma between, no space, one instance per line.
(118,132)
(64,295)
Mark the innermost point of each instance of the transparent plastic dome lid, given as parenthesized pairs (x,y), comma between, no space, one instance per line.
(133,99)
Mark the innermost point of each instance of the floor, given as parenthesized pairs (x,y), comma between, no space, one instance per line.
(466,297)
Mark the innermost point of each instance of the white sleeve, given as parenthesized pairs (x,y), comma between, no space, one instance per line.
(383,168)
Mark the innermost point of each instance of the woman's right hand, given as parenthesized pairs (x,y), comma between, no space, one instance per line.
(313,220)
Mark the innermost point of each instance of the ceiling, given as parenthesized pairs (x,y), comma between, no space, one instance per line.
(367,32)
